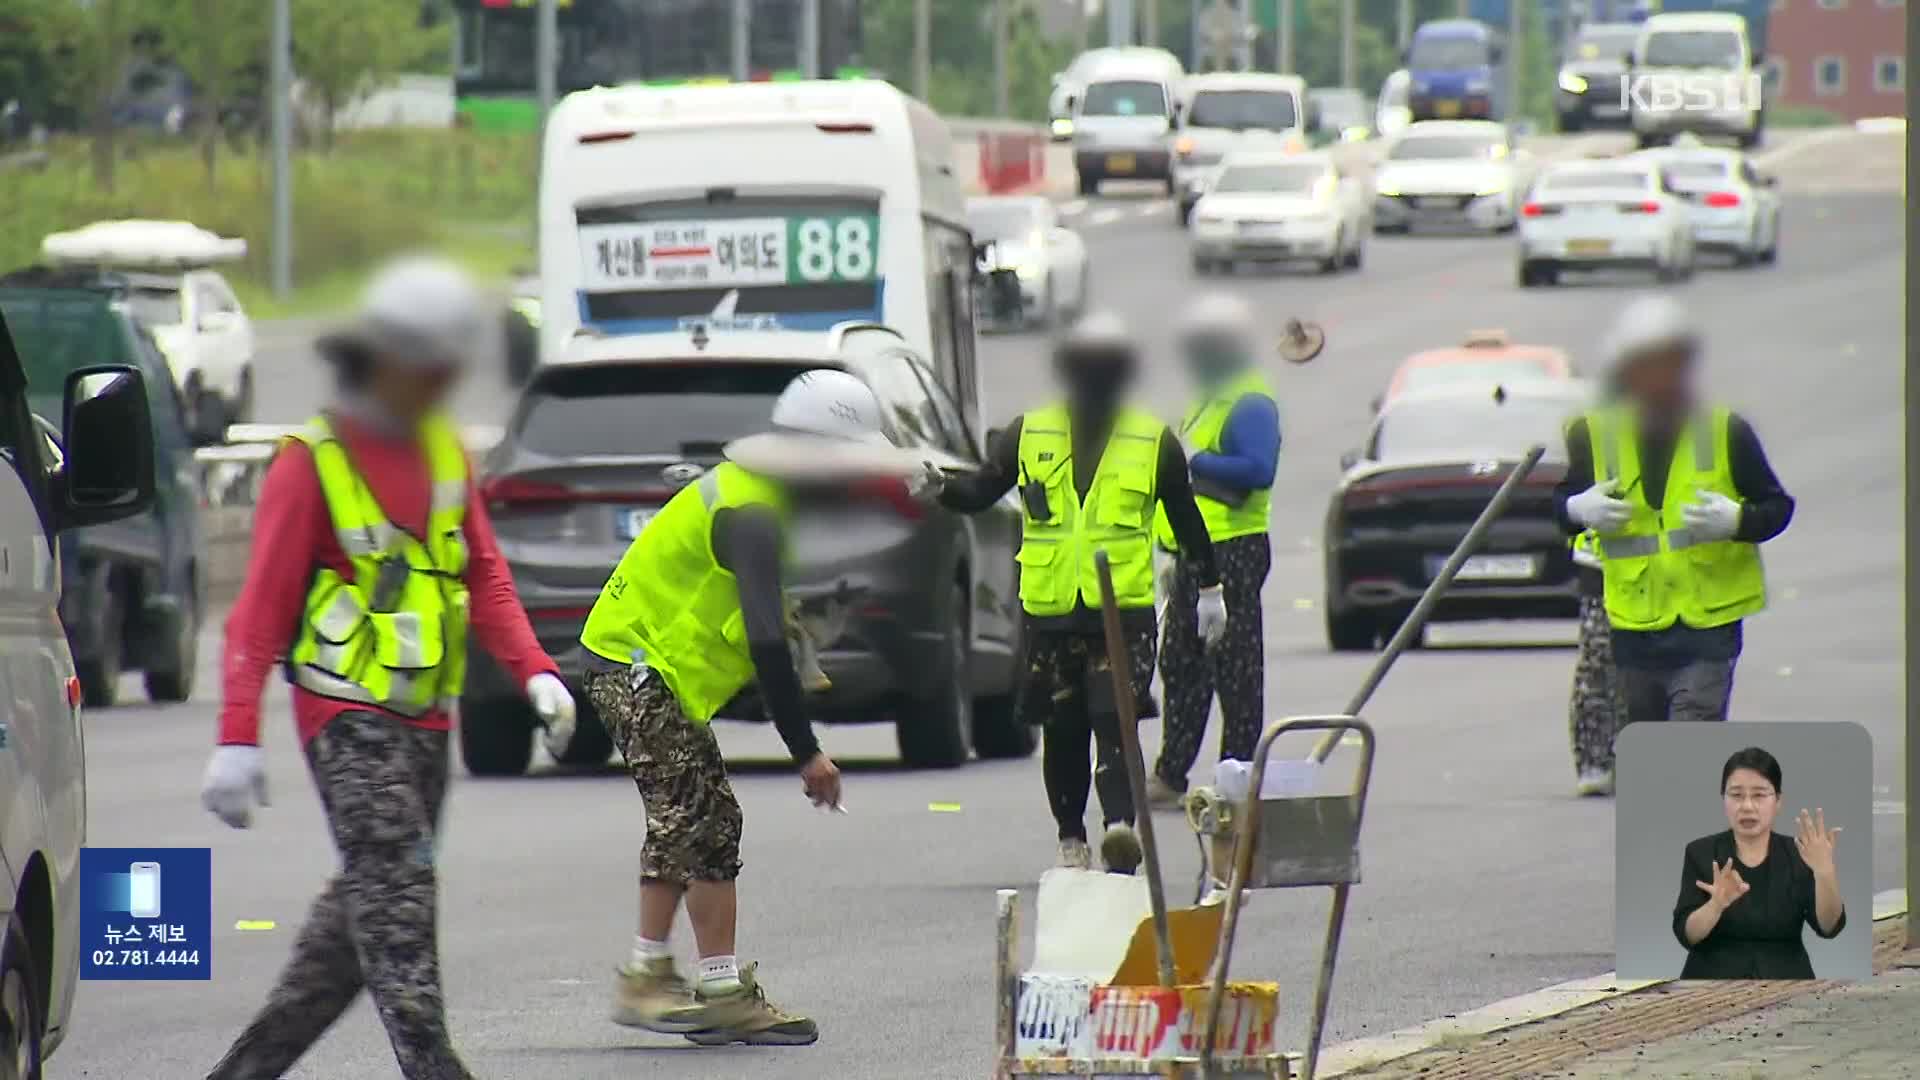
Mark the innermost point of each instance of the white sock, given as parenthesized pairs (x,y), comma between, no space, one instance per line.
(645,949)
(715,970)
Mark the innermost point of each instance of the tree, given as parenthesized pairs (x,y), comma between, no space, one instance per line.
(87,44)
(222,47)
(345,48)
(963,54)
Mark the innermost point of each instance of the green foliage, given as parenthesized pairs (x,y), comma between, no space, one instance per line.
(1800,116)
(962,76)
(345,47)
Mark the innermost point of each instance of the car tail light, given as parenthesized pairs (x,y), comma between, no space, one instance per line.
(1534,209)
(512,492)
(75,695)
(893,492)
(593,137)
(1723,198)
(1648,207)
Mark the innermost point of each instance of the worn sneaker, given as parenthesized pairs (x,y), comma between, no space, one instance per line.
(1162,796)
(1075,856)
(744,1015)
(650,995)
(1596,783)
(1120,849)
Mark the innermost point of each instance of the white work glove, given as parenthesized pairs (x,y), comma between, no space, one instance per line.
(1712,516)
(554,706)
(236,779)
(927,484)
(1212,613)
(1598,509)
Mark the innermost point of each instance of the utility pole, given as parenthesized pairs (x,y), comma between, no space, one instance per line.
(546,32)
(1243,36)
(923,47)
(1516,58)
(1346,41)
(1082,27)
(810,38)
(280,66)
(1462,9)
(1119,22)
(1195,53)
(1152,35)
(742,40)
(1286,37)
(1406,24)
(1002,93)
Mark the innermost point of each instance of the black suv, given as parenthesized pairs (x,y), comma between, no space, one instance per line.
(132,590)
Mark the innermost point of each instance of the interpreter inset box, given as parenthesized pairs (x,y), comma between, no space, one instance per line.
(1743,851)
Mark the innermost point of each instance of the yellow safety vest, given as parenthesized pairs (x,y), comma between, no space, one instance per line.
(412,655)
(1586,550)
(1056,554)
(529,309)
(1201,431)
(672,605)
(1656,573)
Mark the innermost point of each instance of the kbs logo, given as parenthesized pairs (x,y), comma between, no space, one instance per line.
(1654,91)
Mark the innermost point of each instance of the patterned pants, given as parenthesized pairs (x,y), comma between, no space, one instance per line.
(693,819)
(381,783)
(1236,667)
(1698,691)
(1067,692)
(1599,707)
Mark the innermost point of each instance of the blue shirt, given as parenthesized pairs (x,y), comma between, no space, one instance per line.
(1249,447)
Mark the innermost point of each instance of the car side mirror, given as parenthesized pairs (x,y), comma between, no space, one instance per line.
(107,436)
(1349,459)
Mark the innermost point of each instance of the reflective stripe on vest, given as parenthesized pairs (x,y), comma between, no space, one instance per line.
(670,604)
(1657,572)
(410,656)
(1056,554)
(1201,430)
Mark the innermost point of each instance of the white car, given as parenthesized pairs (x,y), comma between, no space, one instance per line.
(1450,173)
(189,308)
(1272,206)
(1734,210)
(1229,111)
(1601,215)
(1024,234)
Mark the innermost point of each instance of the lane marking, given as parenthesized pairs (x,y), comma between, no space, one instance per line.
(1073,207)
(1106,215)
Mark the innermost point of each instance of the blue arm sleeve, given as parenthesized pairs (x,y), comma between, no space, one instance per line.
(1249,447)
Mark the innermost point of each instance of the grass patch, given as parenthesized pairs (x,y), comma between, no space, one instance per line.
(1801,116)
(376,194)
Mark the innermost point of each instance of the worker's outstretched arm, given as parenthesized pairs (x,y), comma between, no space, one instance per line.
(747,541)
(972,492)
(1183,514)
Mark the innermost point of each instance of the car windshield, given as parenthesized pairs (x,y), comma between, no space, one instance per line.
(155,305)
(1582,179)
(1447,53)
(684,410)
(58,331)
(1243,110)
(1002,221)
(1278,179)
(1694,49)
(1695,168)
(1444,148)
(1341,109)
(1472,426)
(1125,98)
(1608,43)
(1456,372)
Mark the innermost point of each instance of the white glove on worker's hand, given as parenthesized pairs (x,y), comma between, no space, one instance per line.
(1212,613)
(236,779)
(927,484)
(1598,509)
(554,706)
(1712,516)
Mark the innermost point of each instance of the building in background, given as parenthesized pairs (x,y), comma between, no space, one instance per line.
(1848,57)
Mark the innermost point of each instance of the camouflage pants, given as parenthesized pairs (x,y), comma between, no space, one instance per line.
(1068,692)
(693,819)
(1599,707)
(1236,667)
(381,783)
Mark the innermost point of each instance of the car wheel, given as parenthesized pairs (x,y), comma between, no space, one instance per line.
(1201,266)
(1089,184)
(1350,631)
(21,1025)
(1358,255)
(1751,139)
(241,411)
(100,674)
(999,731)
(1185,214)
(1570,125)
(1771,253)
(170,681)
(1388,630)
(933,733)
(208,415)
(1528,275)
(1332,263)
(496,735)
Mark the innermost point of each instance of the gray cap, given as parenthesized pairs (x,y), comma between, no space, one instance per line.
(417,310)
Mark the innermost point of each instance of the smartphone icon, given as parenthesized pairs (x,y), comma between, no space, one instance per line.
(144,898)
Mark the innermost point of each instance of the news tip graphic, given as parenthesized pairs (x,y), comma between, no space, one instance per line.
(146,914)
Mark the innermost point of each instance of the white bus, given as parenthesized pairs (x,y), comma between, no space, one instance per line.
(756,206)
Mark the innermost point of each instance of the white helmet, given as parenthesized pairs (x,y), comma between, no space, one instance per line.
(1651,322)
(1218,314)
(1098,330)
(826,427)
(829,404)
(422,310)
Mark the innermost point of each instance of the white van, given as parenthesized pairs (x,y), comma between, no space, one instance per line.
(1123,123)
(755,206)
(1233,110)
(1695,72)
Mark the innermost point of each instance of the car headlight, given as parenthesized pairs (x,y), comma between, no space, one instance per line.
(1572,84)
(1388,188)
(1063,126)
(1491,190)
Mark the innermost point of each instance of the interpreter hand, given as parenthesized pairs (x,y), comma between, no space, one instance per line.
(1212,614)
(554,706)
(1815,842)
(1598,508)
(1712,516)
(820,779)
(927,484)
(236,779)
(1726,887)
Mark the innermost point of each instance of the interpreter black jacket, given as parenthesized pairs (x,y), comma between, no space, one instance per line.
(1758,937)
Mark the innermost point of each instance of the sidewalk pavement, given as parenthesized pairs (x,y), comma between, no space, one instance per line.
(1707,1031)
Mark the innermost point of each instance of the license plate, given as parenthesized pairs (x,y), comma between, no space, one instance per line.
(1436,203)
(631,522)
(1589,247)
(1119,162)
(1446,108)
(1497,568)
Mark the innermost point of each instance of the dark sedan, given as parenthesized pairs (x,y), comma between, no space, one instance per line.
(1431,463)
(603,437)
(1588,95)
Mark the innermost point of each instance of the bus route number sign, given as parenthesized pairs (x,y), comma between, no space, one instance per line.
(730,253)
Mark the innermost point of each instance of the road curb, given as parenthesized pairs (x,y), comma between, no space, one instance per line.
(1597,1013)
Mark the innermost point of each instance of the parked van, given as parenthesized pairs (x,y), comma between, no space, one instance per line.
(1695,72)
(1228,111)
(755,206)
(1123,123)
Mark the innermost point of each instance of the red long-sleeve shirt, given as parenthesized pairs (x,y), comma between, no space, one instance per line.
(293,538)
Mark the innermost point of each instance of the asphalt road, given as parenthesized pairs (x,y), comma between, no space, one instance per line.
(1485,876)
